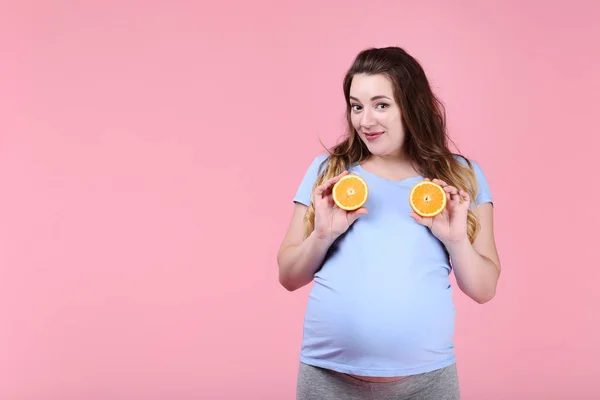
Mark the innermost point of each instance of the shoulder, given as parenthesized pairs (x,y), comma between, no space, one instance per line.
(319,162)
(483,190)
(470,163)
(311,173)
(316,165)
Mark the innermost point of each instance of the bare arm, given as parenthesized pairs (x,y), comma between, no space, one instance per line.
(477,266)
(299,258)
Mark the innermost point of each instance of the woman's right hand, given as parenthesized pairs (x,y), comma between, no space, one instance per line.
(330,220)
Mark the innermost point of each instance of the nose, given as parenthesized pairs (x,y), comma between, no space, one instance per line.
(366,119)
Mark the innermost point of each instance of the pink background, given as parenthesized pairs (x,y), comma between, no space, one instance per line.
(131,132)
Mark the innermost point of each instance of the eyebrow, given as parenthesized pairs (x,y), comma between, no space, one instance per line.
(372,98)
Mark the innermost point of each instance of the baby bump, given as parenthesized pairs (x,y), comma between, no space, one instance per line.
(402,323)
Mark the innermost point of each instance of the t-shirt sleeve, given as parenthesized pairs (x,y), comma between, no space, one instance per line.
(304,192)
(484,193)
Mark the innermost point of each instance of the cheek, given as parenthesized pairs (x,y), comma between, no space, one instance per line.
(355,119)
(396,123)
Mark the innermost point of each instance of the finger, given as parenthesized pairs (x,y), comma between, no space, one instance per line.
(451,190)
(458,200)
(322,188)
(416,217)
(328,184)
(420,220)
(440,182)
(453,194)
(329,199)
(356,214)
(464,196)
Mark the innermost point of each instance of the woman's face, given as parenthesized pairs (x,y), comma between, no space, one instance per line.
(375,115)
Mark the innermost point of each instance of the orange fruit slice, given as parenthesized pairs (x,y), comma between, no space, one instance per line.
(350,192)
(427,199)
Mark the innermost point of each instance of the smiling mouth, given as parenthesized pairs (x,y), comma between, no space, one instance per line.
(372,135)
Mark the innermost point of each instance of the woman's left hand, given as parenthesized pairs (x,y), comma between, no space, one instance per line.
(450,226)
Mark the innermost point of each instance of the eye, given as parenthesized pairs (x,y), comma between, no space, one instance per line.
(355,107)
(382,105)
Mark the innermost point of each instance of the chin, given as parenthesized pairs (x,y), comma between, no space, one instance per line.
(379,149)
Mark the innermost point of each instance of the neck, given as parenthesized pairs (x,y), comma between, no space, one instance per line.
(397,160)
(395,168)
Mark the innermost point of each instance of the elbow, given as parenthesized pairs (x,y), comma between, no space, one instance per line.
(290,281)
(289,277)
(483,298)
(479,295)
(289,286)
(286,280)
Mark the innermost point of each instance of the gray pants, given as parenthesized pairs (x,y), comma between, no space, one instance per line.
(316,383)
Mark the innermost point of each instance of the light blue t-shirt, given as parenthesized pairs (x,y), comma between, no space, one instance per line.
(381,304)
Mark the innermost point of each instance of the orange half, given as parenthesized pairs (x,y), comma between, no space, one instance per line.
(427,199)
(350,192)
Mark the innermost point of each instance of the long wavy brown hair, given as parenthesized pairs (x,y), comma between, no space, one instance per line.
(424,121)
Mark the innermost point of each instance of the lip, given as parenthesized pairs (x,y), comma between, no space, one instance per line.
(372,135)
